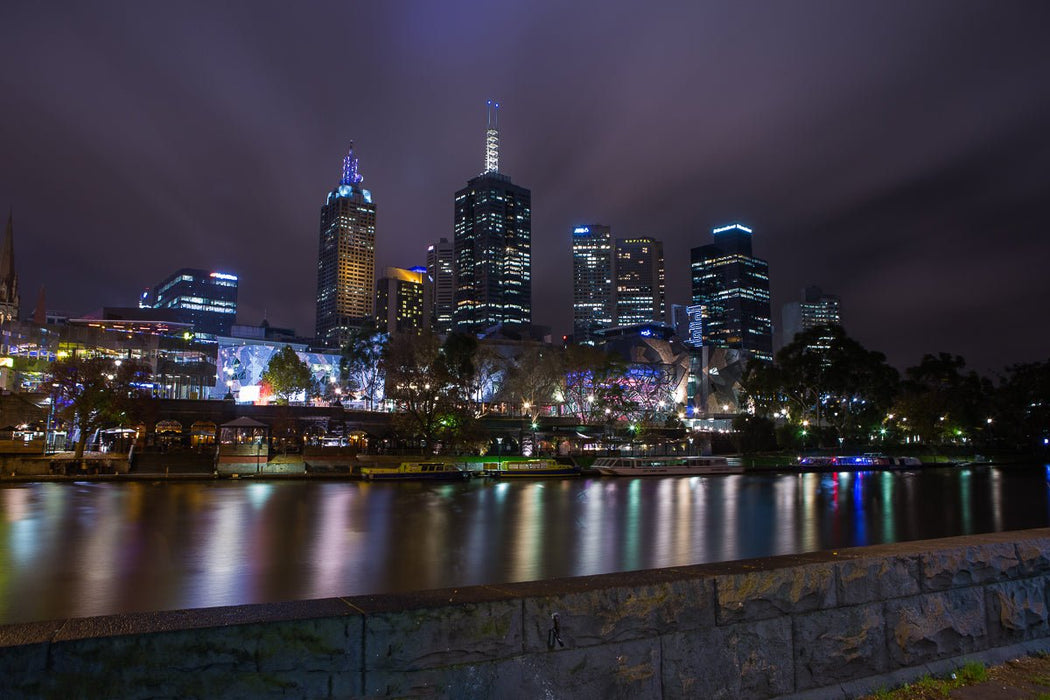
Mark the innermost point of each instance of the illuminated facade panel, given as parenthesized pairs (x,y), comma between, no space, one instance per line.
(593,298)
(241,365)
(733,286)
(639,281)
(346,259)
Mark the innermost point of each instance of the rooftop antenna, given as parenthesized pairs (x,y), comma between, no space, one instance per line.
(350,177)
(492,139)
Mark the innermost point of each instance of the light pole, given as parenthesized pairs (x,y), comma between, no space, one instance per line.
(50,417)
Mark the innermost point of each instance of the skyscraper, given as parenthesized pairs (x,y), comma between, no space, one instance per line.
(9,300)
(206,299)
(399,300)
(346,258)
(639,274)
(593,301)
(439,287)
(733,285)
(815,309)
(493,246)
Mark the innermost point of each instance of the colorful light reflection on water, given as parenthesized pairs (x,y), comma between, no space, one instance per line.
(71,550)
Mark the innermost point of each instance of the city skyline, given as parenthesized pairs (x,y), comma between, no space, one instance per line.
(893,155)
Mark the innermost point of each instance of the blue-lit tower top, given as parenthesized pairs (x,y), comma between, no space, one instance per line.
(350,175)
(350,182)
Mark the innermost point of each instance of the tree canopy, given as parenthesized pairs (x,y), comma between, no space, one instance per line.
(824,378)
(94,393)
(287,375)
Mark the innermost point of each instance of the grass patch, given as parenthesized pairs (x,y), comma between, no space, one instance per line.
(928,687)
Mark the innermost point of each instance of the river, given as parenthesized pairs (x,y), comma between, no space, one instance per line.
(93,548)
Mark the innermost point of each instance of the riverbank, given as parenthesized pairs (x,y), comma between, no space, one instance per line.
(109,468)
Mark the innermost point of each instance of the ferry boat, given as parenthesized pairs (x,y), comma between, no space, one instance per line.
(418,471)
(664,466)
(869,459)
(528,468)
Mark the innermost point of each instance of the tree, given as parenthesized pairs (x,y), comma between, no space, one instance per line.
(417,383)
(95,392)
(594,384)
(533,378)
(287,375)
(825,379)
(361,364)
(1022,407)
(941,403)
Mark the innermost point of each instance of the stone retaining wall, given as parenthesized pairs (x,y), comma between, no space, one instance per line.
(829,624)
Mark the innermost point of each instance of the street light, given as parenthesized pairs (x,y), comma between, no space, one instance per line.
(50,416)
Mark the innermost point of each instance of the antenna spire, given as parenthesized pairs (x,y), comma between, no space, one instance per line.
(350,175)
(492,139)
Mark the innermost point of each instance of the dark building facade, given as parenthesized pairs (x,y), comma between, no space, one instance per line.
(206,299)
(493,247)
(639,281)
(346,258)
(733,286)
(593,299)
(814,309)
(439,286)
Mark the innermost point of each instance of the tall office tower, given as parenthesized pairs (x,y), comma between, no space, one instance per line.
(206,299)
(493,246)
(593,300)
(814,309)
(733,285)
(439,287)
(399,300)
(346,258)
(9,300)
(639,274)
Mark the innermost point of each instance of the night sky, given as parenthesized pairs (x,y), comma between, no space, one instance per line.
(894,153)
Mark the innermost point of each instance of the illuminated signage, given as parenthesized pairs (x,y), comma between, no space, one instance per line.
(730,227)
(224,276)
(581,229)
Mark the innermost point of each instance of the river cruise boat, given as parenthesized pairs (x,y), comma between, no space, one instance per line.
(414,471)
(506,469)
(664,466)
(870,459)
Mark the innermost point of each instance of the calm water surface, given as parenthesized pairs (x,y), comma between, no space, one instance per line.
(79,549)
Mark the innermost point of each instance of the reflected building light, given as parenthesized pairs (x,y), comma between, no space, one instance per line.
(632,525)
(258,494)
(889,525)
(966,501)
(100,556)
(337,547)
(525,563)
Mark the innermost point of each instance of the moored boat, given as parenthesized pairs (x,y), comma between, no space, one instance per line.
(664,466)
(869,459)
(419,471)
(528,468)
